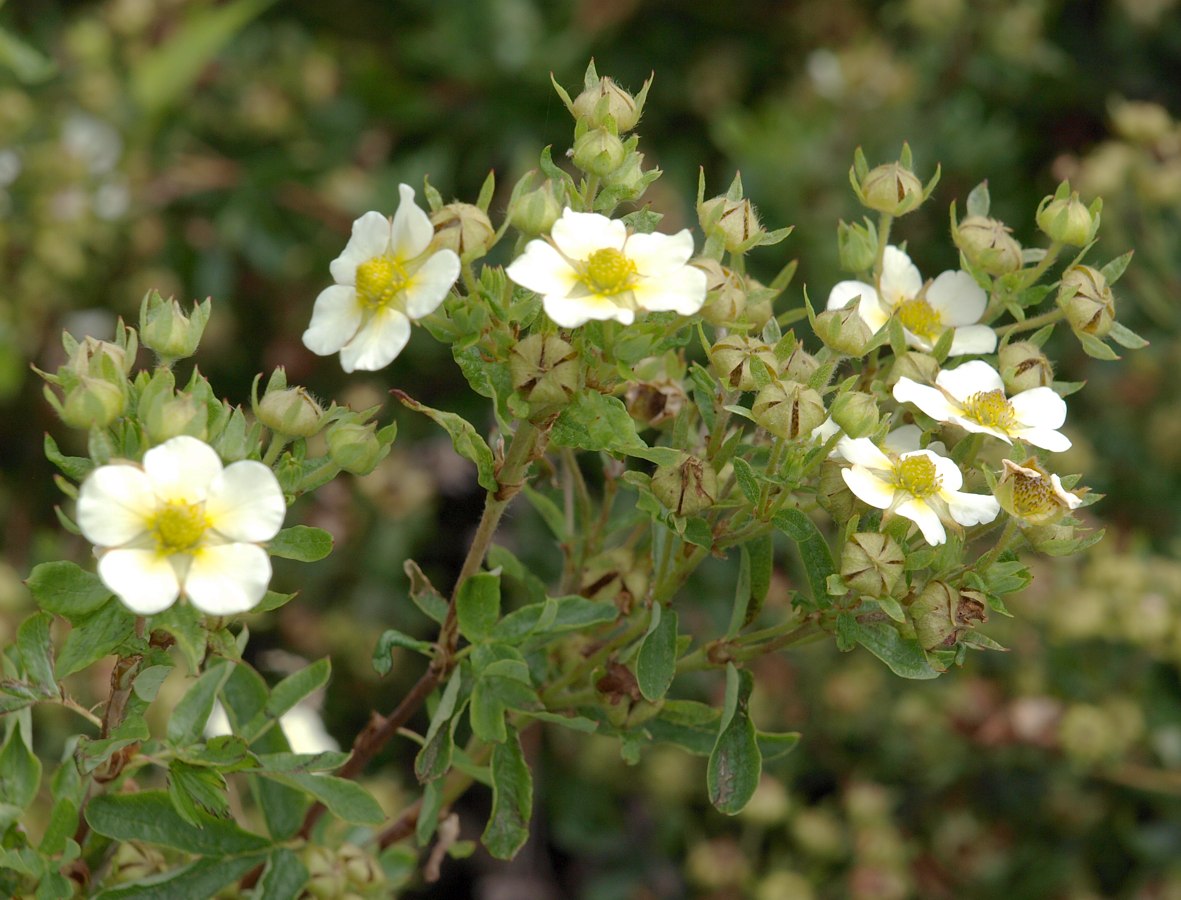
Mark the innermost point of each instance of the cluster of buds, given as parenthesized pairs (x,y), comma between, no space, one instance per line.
(347,873)
(93,382)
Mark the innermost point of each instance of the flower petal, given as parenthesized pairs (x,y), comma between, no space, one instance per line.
(864,452)
(920,512)
(868,487)
(245,502)
(957,298)
(570,312)
(972,340)
(181,469)
(659,254)
(1039,407)
(543,269)
(430,284)
(971,509)
(377,343)
(970,378)
(845,292)
(900,278)
(578,235)
(371,237)
(115,505)
(1046,438)
(412,231)
(144,580)
(228,578)
(904,438)
(681,290)
(335,319)
(975,427)
(1072,500)
(930,400)
(950,476)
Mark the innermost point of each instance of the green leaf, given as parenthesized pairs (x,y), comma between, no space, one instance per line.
(302,763)
(272,600)
(345,799)
(391,639)
(95,635)
(773,745)
(1126,337)
(1114,269)
(762,561)
(978,200)
(512,800)
(196,791)
(464,438)
(184,623)
(295,687)
(67,589)
(302,543)
(36,649)
(736,762)
(656,663)
(569,613)
(744,474)
(147,682)
(486,713)
(548,510)
(574,723)
(738,614)
(149,816)
(20,772)
(428,812)
(284,878)
(434,759)
(814,551)
(192,712)
(197,881)
(423,593)
(477,606)
(904,657)
(595,421)
(1094,347)
(691,725)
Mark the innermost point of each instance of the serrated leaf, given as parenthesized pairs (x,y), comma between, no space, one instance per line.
(464,438)
(94,636)
(148,816)
(512,800)
(196,791)
(67,589)
(656,663)
(594,421)
(184,623)
(302,543)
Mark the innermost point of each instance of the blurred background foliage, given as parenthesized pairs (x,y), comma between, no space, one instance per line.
(224,148)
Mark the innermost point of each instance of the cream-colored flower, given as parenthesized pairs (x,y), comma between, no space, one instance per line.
(180,523)
(593,268)
(919,485)
(973,396)
(926,310)
(385,280)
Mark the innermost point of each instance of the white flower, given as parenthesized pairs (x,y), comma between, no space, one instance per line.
(180,523)
(384,280)
(953,300)
(973,396)
(592,268)
(919,485)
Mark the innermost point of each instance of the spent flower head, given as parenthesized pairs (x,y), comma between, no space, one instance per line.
(1030,493)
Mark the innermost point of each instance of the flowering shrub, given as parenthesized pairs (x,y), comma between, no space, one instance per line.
(654,405)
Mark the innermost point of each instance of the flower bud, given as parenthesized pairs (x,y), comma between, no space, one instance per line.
(361,870)
(1024,367)
(355,448)
(856,413)
(760,303)
(872,563)
(326,879)
(891,188)
(166,417)
(941,614)
(102,359)
(654,403)
(833,492)
(913,365)
(857,246)
(789,410)
(1086,296)
(93,403)
(1029,493)
(535,212)
(599,152)
(546,371)
(606,98)
(725,298)
(800,365)
(1066,220)
(987,244)
(290,412)
(737,221)
(686,488)
(844,330)
(1044,538)
(464,229)
(1140,121)
(630,180)
(168,331)
(134,861)
(731,356)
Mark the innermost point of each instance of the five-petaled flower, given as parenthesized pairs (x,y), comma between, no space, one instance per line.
(919,485)
(593,268)
(953,300)
(385,279)
(180,523)
(973,397)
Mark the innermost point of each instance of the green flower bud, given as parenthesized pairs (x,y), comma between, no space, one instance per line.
(654,404)
(987,244)
(102,359)
(168,331)
(290,412)
(1044,538)
(730,358)
(356,448)
(833,493)
(940,614)
(615,576)
(1024,367)
(725,299)
(546,372)
(535,212)
(1065,219)
(93,403)
(857,246)
(168,417)
(326,878)
(844,330)
(872,563)
(630,180)
(913,365)
(892,189)
(687,488)
(606,98)
(856,412)
(737,221)
(362,870)
(133,861)
(760,303)
(789,410)
(464,229)
(800,365)
(599,152)
(1029,493)
(1086,296)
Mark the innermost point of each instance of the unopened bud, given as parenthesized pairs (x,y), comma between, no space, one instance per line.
(355,448)
(168,417)
(760,303)
(93,403)
(857,246)
(737,221)
(464,229)
(535,212)
(988,245)
(599,152)
(1045,538)
(844,330)
(168,331)
(134,861)
(1065,219)
(731,356)
(1030,493)
(361,870)
(686,488)
(606,98)
(290,412)
(872,563)
(1024,367)
(789,410)
(800,365)
(913,365)
(1086,296)
(102,359)
(891,188)
(725,298)
(546,372)
(856,413)
(833,492)
(326,878)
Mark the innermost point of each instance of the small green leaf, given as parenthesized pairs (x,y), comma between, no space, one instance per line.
(423,593)
(28,64)
(147,682)
(428,812)
(295,687)
(512,800)
(392,639)
(978,200)
(1126,337)
(477,605)
(149,816)
(773,745)
(345,799)
(192,712)
(434,759)
(736,762)
(1114,269)
(814,550)
(1094,347)
(20,772)
(570,613)
(302,543)
(196,791)
(196,881)
(904,656)
(486,713)
(594,421)
(744,474)
(464,438)
(67,589)
(284,878)
(184,623)
(36,649)
(302,763)
(656,663)
(95,635)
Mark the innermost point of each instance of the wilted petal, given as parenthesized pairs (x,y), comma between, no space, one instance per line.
(578,235)
(371,237)
(181,469)
(1072,500)
(378,342)
(228,578)
(921,513)
(430,284)
(115,505)
(245,502)
(144,580)
(957,298)
(335,319)
(412,230)
(868,487)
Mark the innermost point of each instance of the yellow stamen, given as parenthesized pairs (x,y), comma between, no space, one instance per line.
(991,409)
(1033,497)
(920,318)
(609,272)
(380,280)
(179,526)
(917,476)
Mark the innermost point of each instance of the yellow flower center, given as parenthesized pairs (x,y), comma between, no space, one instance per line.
(920,318)
(917,476)
(1033,497)
(179,526)
(991,409)
(380,280)
(609,272)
